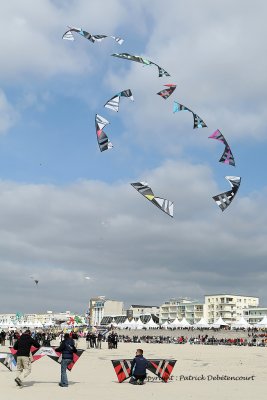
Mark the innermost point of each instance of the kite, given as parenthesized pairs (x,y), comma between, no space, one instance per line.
(227,156)
(68,35)
(103,140)
(165,93)
(224,199)
(56,356)
(113,103)
(161,368)
(146,191)
(198,122)
(141,60)
(70,321)
(9,361)
(36,354)
(35,280)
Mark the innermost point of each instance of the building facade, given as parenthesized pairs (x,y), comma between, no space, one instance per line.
(136,310)
(228,306)
(181,308)
(31,319)
(255,314)
(99,307)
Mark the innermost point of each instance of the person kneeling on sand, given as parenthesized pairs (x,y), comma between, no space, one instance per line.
(23,346)
(67,348)
(138,368)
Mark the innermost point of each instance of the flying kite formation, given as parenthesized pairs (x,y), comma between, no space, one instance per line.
(163,204)
(198,122)
(165,93)
(227,156)
(102,139)
(113,103)
(141,60)
(68,35)
(223,199)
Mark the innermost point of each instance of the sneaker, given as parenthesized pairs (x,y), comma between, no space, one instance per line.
(18,381)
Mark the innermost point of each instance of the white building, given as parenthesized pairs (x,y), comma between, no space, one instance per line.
(100,307)
(228,306)
(254,315)
(137,310)
(32,319)
(181,308)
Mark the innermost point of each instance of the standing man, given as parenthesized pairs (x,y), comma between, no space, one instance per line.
(115,340)
(3,338)
(23,346)
(88,339)
(138,368)
(67,348)
(99,340)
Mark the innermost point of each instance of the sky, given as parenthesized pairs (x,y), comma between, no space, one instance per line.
(68,211)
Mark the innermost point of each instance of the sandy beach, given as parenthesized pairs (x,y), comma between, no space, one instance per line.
(196,375)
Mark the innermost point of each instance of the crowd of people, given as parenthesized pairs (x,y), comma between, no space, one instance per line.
(94,339)
(253,340)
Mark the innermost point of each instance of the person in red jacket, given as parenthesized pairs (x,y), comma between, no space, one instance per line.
(23,346)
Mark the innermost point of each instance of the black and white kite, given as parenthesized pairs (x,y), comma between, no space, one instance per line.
(127,56)
(227,156)
(102,139)
(68,35)
(224,199)
(163,204)
(198,122)
(113,103)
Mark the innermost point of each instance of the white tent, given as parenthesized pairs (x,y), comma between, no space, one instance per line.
(37,324)
(262,323)
(202,324)
(242,323)
(49,324)
(29,324)
(7,324)
(21,324)
(139,324)
(220,322)
(113,323)
(165,325)
(125,324)
(175,324)
(184,323)
(150,324)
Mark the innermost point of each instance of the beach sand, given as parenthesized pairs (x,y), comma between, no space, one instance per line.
(94,377)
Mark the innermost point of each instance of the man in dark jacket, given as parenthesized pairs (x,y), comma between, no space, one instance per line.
(67,348)
(138,368)
(23,346)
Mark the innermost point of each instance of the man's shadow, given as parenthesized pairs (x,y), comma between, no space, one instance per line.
(32,383)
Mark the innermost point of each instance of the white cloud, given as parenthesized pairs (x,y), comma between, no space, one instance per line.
(33,48)
(215,55)
(8,115)
(112,233)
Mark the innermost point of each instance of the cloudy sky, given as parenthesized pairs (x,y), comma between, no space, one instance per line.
(68,211)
